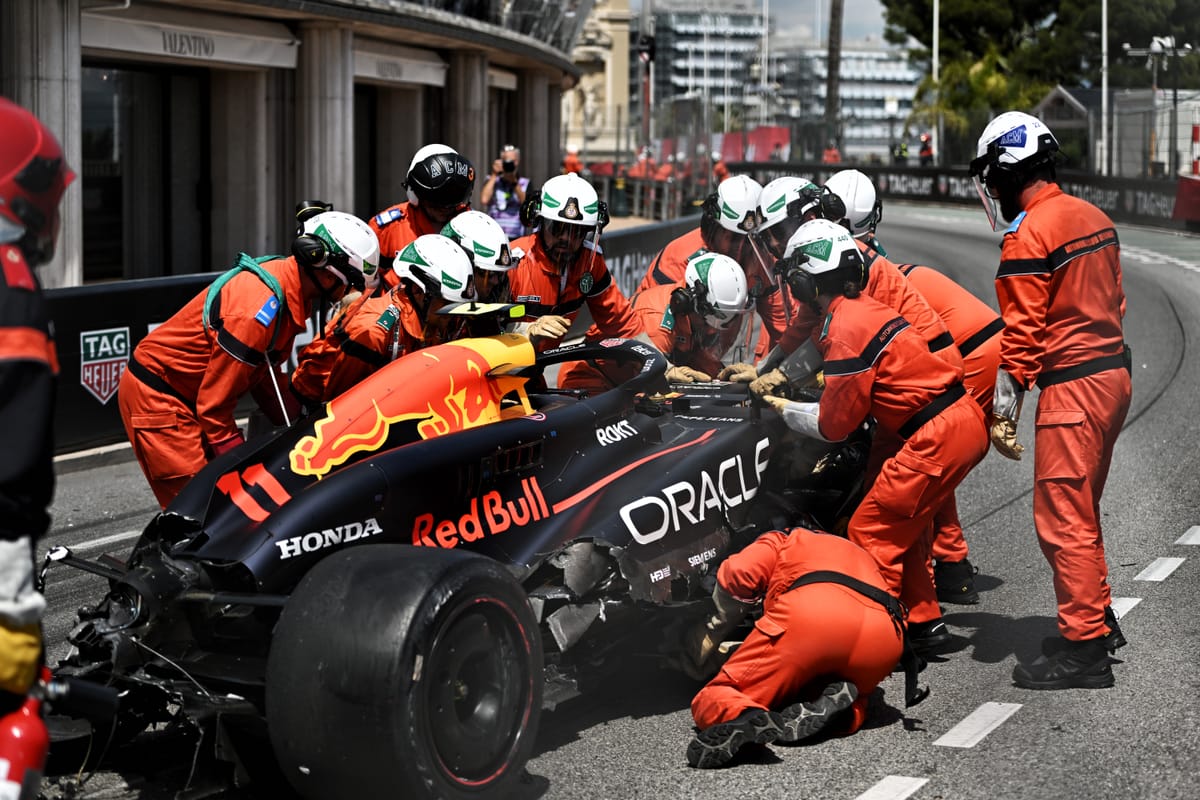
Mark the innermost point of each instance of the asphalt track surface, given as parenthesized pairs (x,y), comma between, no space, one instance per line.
(977,736)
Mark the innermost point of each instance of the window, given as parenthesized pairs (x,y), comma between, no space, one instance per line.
(144,173)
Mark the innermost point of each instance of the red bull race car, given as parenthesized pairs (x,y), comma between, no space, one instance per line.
(388,591)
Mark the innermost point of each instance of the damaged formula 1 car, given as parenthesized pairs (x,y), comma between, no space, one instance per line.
(388,590)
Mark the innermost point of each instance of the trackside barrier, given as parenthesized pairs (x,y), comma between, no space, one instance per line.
(97,327)
(1136,200)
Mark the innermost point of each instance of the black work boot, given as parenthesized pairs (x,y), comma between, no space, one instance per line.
(716,745)
(1078,665)
(927,638)
(955,582)
(802,720)
(1112,640)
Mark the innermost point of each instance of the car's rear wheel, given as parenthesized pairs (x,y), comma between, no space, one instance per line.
(403,672)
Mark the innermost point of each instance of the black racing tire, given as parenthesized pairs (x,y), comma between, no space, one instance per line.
(398,671)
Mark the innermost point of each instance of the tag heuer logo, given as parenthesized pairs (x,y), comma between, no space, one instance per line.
(102,359)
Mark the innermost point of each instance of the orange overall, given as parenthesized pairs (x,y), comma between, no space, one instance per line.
(177,396)
(976,330)
(380,330)
(685,344)
(537,283)
(669,266)
(1060,293)
(805,635)
(396,227)
(877,365)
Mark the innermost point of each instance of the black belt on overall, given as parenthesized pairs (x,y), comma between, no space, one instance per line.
(980,336)
(156,382)
(936,406)
(1102,364)
(896,610)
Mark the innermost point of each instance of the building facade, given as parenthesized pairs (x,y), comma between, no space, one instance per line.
(877,86)
(196,125)
(595,111)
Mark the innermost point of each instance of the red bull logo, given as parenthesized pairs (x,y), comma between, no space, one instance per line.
(443,389)
(489,515)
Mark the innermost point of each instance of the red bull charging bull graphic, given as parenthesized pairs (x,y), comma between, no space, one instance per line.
(451,387)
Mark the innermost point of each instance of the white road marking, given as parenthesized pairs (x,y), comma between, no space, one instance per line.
(1123,605)
(1191,537)
(1147,256)
(893,787)
(1160,569)
(95,451)
(104,541)
(978,724)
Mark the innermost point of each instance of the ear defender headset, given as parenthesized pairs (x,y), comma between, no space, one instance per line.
(531,208)
(805,286)
(828,205)
(312,252)
(689,299)
(307,209)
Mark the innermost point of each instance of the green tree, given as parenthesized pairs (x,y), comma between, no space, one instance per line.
(999,56)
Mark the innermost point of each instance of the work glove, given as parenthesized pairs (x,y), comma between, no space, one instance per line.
(769,383)
(20,656)
(225,445)
(550,326)
(702,643)
(686,375)
(740,372)
(1006,411)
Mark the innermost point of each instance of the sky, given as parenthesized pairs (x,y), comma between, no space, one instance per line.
(799,18)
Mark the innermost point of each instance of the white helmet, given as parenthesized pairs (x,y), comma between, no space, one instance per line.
(1012,144)
(821,245)
(864,210)
(341,243)
(737,204)
(773,202)
(437,266)
(430,150)
(482,238)
(717,287)
(569,198)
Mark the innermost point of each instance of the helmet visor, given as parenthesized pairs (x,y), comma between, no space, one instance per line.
(989,203)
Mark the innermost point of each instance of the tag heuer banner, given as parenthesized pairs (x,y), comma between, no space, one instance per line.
(102,359)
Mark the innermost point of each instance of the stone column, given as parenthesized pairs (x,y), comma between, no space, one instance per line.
(325,114)
(467,110)
(40,70)
(537,129)
(242,167)
(401,132)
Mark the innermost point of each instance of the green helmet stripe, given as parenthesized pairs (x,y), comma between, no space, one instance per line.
(820,249)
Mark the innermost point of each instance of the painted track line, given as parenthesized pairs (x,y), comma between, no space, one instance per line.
(978,724)
(1123,605)
(1160,569)
(104,541)
(893,787)
(1192,536)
